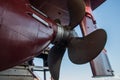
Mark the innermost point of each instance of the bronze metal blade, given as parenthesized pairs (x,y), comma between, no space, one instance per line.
(76,11)
(83,50)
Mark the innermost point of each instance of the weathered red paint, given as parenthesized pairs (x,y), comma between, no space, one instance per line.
(21,36)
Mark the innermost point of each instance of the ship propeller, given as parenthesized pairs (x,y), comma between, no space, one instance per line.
(80,49)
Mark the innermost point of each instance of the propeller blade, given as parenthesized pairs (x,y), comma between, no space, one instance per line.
(83,50)
(77,11)
(54,60)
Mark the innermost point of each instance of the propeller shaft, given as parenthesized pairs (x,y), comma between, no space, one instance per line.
(63,34)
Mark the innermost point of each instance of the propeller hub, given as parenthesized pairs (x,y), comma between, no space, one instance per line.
(63,34)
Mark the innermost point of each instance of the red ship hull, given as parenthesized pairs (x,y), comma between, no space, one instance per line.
(21,35)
